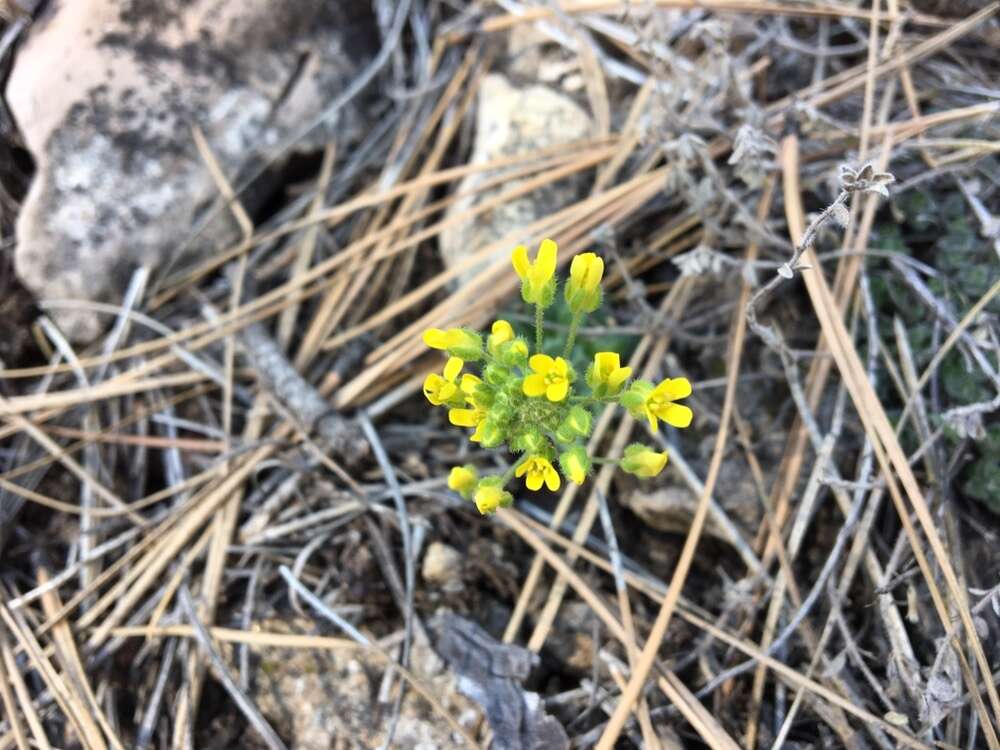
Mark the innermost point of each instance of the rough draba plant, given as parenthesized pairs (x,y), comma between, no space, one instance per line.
(535,403)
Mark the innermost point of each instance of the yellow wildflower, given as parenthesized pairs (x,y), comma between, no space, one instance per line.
(539,472)
(443,390)
(550,378)
(643,461)
(463,480)
(607,371)
(536,277)
(583,292)
(651,402)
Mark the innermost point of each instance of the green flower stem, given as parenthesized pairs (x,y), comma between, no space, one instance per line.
(571,338)
(592,400)
(539,325)
(614,461)
(509,474)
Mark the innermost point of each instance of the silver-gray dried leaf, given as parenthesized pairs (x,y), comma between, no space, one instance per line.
(490,673)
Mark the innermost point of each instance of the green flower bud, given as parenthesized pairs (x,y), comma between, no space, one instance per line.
(496,375)
(531,440)
(515,353)
(577,422)
(503,406)
(491,433)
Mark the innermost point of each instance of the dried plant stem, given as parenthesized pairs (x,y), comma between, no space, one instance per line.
(768,334)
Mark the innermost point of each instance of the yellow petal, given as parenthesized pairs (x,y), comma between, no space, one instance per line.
(606,362)
(657,462)
(430,388)
(552,480)
(561,366)
(463,417)
(534,385)
(578,268)
(674,389)
(520,471)
(619,375)
(555,392)
(435,338)
(452,368)
(541,363)
(469,383)
(545,262)
(652,420)
(534,481)
(461,479)
(503,331)
(677,415)
(595,270)
(519,259)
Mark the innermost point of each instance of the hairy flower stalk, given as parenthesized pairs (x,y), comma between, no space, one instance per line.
(535,403)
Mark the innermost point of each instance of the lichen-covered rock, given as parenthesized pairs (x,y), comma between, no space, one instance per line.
(512,121)
(107,92)
(323,700)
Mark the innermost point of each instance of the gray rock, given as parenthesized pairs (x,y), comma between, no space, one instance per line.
(106,93)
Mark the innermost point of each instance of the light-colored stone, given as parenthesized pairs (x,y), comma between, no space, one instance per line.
(106,93)
(513,121)
(442,565)
(323,699)
(670,509)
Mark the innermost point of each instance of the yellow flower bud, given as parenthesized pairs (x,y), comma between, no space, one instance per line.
(500,333)
(575,464)
(456,341)
(606,376)
(537,279)
(491,495)
(643,461)
(463,480)
(583,292)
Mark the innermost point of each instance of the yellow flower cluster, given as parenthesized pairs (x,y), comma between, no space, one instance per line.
(531,400)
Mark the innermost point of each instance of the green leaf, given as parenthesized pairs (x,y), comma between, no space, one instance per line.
(962,386)
(983,483)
